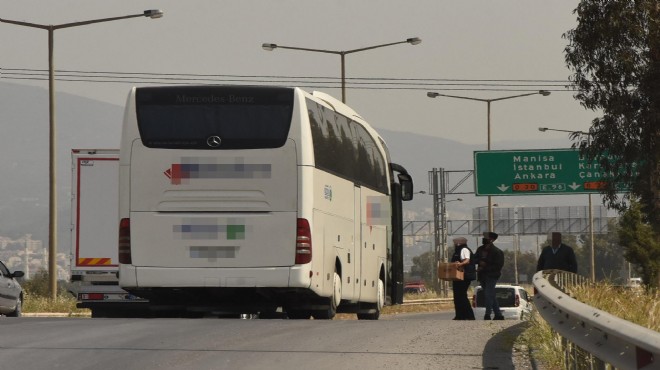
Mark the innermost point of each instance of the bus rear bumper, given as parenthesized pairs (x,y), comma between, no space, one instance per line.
(242,290)
(160,277)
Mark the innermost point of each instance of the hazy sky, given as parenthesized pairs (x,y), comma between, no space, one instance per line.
(462,40)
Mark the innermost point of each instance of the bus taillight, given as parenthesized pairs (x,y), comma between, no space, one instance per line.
(303,242)
(125,241)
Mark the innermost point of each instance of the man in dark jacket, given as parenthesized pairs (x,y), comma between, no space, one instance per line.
(461,258)
(557,256)
(491,261)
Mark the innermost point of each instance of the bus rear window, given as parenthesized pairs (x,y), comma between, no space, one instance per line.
(214,117)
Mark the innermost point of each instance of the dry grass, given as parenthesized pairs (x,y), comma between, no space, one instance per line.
(543,342)
(61,304)
(635,305)
(401,309)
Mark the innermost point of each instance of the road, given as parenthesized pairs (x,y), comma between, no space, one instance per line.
(407,341)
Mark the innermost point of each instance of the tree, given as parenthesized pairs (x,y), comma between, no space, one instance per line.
(609,259)
(614,53)
(526,267)
(422,266)
(641,246)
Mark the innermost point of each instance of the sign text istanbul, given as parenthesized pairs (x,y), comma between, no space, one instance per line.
(538,172)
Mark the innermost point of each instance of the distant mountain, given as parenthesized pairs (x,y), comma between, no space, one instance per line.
(87,123)
(80,123)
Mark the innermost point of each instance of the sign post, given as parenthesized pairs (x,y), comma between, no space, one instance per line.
(538,172)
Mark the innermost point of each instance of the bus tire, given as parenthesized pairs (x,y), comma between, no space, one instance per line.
(333,301)
(298,314)
(374,308)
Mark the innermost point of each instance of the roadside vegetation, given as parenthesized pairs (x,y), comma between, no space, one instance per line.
(636,305)
(427,307)
(36,298)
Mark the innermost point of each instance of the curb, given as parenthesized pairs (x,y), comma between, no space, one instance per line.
(54,314)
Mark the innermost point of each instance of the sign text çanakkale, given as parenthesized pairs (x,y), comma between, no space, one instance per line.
(530,172)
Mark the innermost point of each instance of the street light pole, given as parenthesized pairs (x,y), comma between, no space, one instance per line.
(491,226)
(591,214)
(52,152)
(342,54)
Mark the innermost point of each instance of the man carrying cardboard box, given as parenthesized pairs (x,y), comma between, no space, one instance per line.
(462,259)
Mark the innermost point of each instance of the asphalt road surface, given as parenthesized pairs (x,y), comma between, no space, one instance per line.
(409,341)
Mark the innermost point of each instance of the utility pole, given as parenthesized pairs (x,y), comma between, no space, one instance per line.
(436,225)
(438,190)
(443,225)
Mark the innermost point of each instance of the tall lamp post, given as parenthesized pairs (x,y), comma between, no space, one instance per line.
(488,102)
(591,214)
(52,190)
(342,54)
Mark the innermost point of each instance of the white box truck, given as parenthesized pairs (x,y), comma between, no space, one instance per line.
(94,235)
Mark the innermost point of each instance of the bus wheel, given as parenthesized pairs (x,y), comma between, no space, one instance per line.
(372,310)
(298,314)
(333,302)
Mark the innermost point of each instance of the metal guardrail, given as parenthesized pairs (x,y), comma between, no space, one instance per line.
(615,341)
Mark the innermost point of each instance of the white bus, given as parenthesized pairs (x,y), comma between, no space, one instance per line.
(260,200)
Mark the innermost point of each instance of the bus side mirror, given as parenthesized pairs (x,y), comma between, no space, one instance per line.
(406,186)
(405,181)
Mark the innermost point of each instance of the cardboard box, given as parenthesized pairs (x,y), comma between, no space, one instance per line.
(448,271)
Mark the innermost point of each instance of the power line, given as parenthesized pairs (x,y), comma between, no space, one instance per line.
(357,83)
(267,76)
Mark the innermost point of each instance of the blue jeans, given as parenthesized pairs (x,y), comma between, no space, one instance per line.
(489,296)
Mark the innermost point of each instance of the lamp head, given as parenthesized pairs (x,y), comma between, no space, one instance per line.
(431,94)
(268,47)
(153,13)
(544,92)
(543,129)
(414,40)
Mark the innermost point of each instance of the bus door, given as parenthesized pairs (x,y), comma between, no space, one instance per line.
(356,253)
(401,191)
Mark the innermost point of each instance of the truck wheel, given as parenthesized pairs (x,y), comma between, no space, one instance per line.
(18,312)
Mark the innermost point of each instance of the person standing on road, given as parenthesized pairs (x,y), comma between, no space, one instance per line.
(461,258)
(557,256)
(489,270)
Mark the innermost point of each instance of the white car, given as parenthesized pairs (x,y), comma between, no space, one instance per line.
(11,294)
(513,300)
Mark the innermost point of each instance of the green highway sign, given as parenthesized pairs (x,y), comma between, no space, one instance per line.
(537,172)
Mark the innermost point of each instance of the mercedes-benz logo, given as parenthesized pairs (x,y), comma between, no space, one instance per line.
(213,141)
